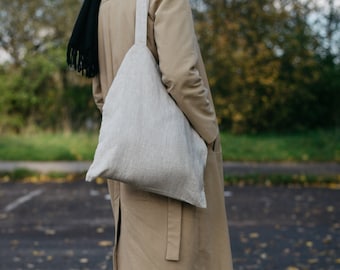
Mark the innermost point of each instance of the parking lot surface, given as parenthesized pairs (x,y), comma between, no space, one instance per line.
(70,226)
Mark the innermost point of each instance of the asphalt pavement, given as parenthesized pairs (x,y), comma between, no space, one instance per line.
(70,226)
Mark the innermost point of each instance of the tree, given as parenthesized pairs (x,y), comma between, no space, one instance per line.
(262,60)
(37,87)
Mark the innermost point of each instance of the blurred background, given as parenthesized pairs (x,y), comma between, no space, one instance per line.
(274,71)
(273,66)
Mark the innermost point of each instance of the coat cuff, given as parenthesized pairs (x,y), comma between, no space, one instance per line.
(210,134)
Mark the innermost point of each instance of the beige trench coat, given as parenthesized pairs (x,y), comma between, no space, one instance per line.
(154,232)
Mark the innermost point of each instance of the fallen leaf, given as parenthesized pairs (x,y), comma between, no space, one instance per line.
(243,239)
(15,242)
(100,181)
(30,266)
(313,261)
(100,230)
(105,243)
(286,251)
(309,244)
(327,239)
(247,251)
(334,186)
(50,232)
(263,245)
(69,253)
(94,193)
(84,260)
(254,235)
(16,259)
(292,268)
(330,208)
(263,256)
(38,253)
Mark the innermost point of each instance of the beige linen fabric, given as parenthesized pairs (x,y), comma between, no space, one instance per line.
(154,232)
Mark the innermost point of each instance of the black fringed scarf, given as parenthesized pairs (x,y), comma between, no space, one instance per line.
(82,49)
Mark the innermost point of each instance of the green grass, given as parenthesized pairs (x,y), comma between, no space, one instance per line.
(48,146)
(322,145)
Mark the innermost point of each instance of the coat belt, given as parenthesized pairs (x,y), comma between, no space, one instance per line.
(174,230)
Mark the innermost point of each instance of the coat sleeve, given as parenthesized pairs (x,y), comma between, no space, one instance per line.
(178,54)
(97,93)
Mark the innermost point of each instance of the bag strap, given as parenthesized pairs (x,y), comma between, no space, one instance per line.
(142,7)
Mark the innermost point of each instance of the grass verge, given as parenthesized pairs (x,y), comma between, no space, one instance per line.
(318,145)
(48,146)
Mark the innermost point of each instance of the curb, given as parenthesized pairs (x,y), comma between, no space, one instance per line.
(46,167)
(230,168)
(282,168)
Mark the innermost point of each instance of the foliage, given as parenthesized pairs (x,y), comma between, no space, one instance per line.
(38,90)
(264,66)
(269,67)
(35,95)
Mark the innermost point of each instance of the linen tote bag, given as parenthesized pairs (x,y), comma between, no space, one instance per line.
(144,139)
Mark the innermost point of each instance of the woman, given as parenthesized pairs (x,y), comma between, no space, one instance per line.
(155,232)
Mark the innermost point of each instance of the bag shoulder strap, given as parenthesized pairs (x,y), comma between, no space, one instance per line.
(142,7)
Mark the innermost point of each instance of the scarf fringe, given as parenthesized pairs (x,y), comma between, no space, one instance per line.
(81,63)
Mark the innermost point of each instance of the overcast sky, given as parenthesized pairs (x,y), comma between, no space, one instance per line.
(337,2)
(324,3)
